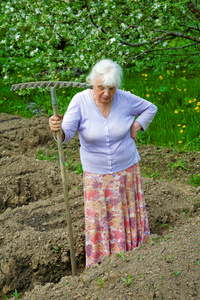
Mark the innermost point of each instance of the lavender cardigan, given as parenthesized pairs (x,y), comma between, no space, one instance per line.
(106,145)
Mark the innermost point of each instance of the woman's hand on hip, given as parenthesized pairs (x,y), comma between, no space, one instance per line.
(135,127)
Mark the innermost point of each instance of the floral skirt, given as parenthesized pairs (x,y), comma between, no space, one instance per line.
(115,213)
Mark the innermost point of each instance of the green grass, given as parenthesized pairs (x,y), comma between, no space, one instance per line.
(43,156)
(177,96)
(195,180)
(175,93)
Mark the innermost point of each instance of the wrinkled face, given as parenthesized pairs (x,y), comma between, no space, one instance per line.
(102,93)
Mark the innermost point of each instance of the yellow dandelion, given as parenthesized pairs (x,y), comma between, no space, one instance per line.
(24,91)
(147,95)
(158,98)
(161,78)
(16,92)
(154,102)
(4,98)
(179,125)
(181,131)
(176,157)
(196,108)
(159,93)
(176,111)
(183,126)
(19,75)
(172,88)
(198,103)
(194,100)
(63,92)
(58,78)
(145,75)
(42,72)
(190,101)
(43,78)
(180,142)
(185,90)
(183,71)
(145,78)
(182,110)
(18,72)
(172,74)
(179,90)
(132,90)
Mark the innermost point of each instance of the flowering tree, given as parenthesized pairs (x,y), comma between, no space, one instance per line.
(63,38)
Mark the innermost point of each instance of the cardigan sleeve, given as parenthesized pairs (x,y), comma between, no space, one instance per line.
(144,109)
(71,120)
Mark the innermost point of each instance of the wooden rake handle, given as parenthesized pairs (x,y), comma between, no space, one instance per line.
(64,182)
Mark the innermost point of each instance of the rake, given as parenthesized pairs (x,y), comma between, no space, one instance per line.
(53,85)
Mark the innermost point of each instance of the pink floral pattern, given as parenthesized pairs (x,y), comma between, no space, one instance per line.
(115,213)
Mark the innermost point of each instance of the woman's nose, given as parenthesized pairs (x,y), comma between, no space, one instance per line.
(106,92)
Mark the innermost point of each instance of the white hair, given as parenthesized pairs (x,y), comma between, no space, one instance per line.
(108,71)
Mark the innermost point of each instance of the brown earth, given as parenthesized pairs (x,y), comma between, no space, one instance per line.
(34,249)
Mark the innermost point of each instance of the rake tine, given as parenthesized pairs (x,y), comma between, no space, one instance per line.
(37,84)
(21,86)
(30,85)
(18,86)
(49,84)
(40,85)
(55,85)
(62,84)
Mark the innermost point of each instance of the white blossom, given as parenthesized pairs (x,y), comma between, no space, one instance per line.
(82,57)
(124,25)
(165,44)
(17,36)
(112,40)
(139,16)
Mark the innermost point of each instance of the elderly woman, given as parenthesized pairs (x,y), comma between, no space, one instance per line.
(115,212)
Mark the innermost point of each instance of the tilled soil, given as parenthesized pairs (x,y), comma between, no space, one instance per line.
(35,256)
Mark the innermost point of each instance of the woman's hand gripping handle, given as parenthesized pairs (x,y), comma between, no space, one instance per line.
(55,124)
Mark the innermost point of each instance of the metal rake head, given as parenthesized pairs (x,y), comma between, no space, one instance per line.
(48,84)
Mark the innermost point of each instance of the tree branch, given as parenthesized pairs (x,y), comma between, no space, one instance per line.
(91,19)
(193,8)
(177,34)
(160,49)
(190,27)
